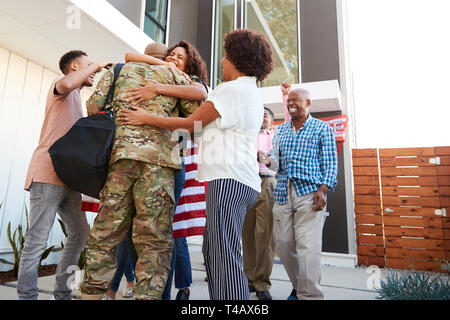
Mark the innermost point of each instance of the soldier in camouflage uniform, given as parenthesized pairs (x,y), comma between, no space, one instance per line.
(139,187)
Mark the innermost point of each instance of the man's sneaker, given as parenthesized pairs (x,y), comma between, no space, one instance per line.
(263,295)
(293,295)
(127,292)
(251,288)
(182,295)
(106,297)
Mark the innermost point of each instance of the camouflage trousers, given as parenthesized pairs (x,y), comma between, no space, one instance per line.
(140,195)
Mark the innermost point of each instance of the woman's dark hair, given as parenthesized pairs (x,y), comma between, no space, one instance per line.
(195,64)
(249,52)
(67,59)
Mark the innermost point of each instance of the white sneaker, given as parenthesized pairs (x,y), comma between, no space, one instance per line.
(52,297)
(106,297)
(127,292)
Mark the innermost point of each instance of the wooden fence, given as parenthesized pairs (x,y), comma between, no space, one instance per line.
(402,214)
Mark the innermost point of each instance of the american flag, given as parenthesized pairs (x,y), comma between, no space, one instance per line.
(190,213)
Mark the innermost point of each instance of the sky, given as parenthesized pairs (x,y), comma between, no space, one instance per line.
(400,61)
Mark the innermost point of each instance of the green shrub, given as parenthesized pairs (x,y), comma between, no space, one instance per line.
(414,285)
(17,245)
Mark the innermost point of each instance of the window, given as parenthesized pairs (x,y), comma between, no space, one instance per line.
(276,19)
(225,21)
(155,23)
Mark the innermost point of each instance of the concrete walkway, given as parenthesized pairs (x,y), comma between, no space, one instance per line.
(337,283)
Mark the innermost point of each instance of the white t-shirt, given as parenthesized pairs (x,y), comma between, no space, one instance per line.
(227,147)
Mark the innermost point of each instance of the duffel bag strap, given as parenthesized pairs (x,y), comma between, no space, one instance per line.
(110,94)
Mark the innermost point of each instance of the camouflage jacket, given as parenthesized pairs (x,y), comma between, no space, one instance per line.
(143,143)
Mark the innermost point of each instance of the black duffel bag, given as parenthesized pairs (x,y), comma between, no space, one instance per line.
(81,157)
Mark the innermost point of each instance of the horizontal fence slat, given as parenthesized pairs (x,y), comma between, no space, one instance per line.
(397,242)
(369,190)
(375,251)
(413,222)
(369,229)
(443,170)
(365,162)
(408,211)
(406,231)
(367,199)
(446,234)
(365,171)
(368,209)
(444,160)
(368,219)
(395,263)
(419,171)
(416,161)
(411,181)
(445,202)
(412,191)
(442,151)
(443,180)
(414,253)
(394,152)
(411,201)
(366,181)
(364,239)
(446,223)
(364,153)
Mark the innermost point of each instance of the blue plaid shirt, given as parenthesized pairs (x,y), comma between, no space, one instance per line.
(307,158)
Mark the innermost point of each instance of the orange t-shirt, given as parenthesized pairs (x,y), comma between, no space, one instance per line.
(61,113)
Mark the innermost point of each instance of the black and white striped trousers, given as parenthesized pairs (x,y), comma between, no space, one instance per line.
(227,202)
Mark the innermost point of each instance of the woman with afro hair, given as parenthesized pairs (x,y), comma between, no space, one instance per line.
(230,120)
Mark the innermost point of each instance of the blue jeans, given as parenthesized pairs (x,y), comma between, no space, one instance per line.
(124,263)
(181,262)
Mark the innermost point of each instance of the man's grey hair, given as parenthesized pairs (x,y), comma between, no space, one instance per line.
(303,92)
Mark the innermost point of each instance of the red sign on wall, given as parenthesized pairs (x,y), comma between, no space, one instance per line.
(339,125)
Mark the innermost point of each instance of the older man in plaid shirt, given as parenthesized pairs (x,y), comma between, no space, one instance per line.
(304,153)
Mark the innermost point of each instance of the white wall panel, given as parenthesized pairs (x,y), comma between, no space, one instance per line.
(22,149)
(9,114)
(4,58)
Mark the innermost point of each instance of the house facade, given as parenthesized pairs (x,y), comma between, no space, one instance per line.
(308,39)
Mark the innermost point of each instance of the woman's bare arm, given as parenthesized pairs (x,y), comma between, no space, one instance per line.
(139,57)
(205,114)
(195,91)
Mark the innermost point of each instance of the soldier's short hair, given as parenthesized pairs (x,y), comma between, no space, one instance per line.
(67,59)
(157,49)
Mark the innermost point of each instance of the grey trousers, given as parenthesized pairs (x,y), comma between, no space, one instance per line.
(299,242)
(45,201)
